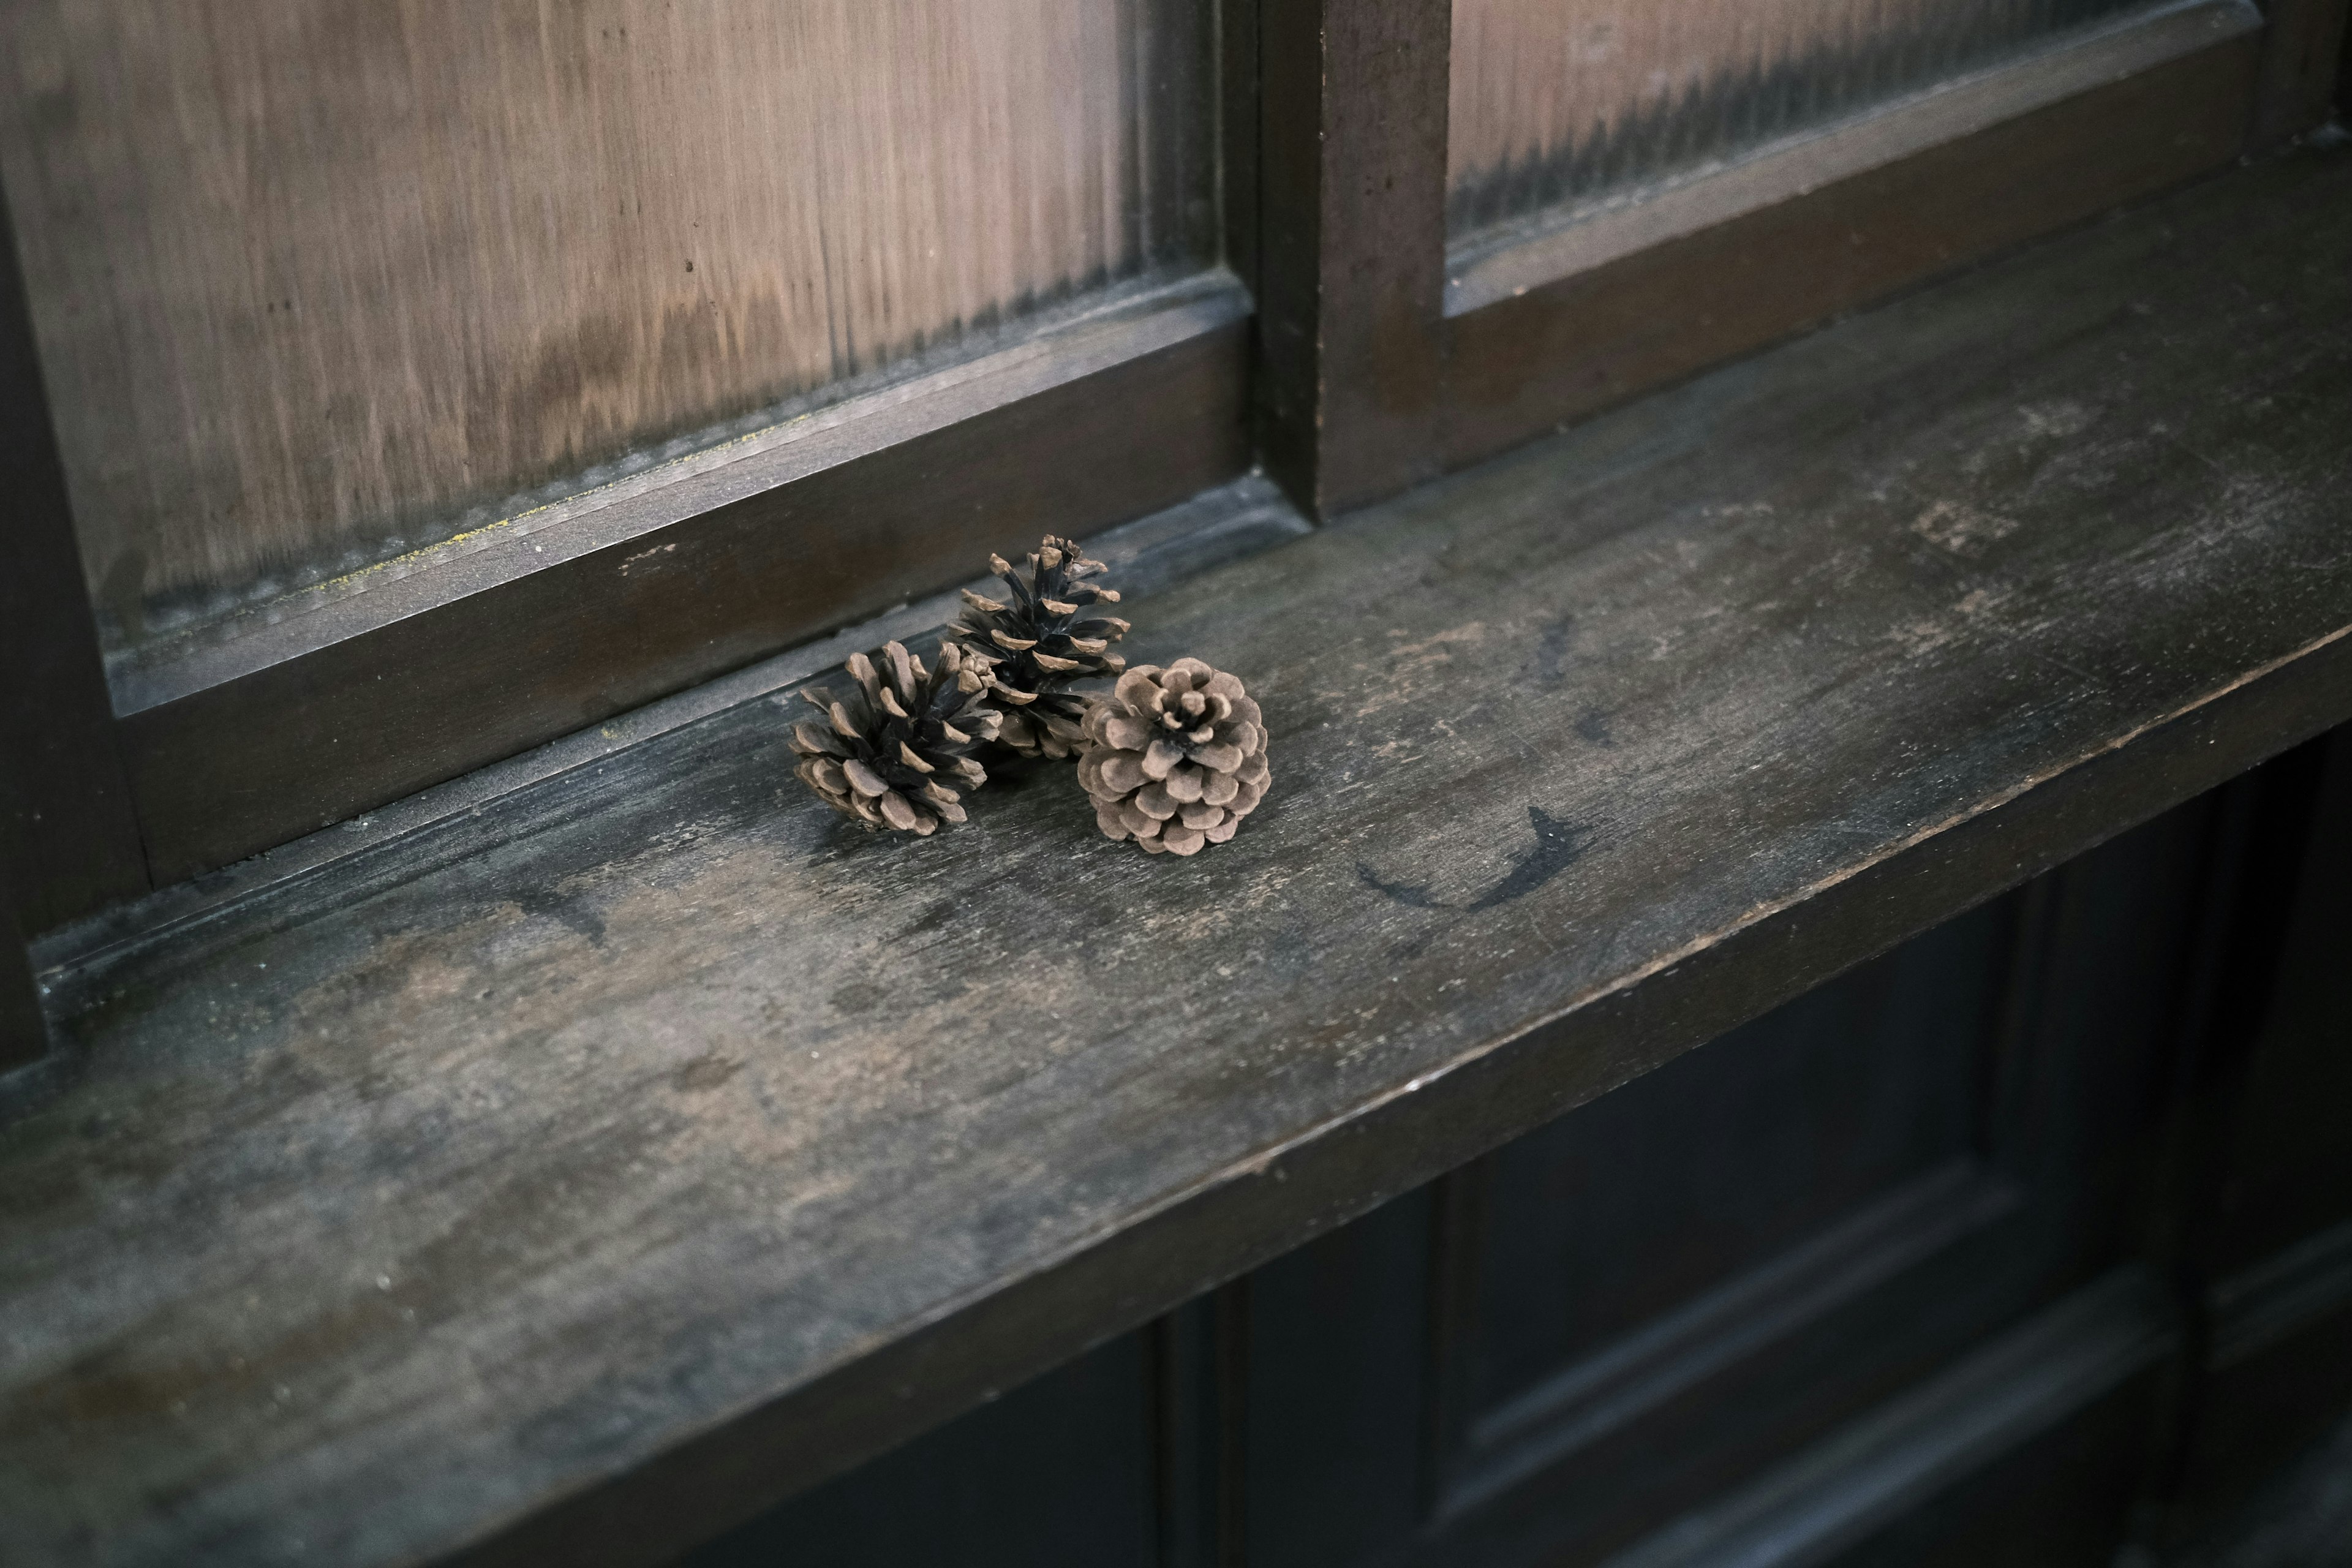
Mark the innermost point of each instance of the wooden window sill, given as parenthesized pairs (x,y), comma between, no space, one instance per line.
(572,1178)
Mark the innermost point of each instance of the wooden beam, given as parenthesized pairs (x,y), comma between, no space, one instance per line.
(1353,268)
(69,841)
(24,1032)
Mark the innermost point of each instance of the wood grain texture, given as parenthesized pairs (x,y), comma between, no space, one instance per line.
(1573,100)
(1352,263)
(1558,354)
(313,281)
(1593,99)
(649,1137)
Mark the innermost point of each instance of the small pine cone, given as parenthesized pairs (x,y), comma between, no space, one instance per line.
(1040,647)
(897,752)
(1176,757)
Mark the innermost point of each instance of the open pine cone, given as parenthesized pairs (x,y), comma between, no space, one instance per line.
(1041,648)
(897,751)
(1177,757)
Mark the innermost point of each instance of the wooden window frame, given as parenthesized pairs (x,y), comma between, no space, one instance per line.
(472,650)
(1323,350)
(1370,383)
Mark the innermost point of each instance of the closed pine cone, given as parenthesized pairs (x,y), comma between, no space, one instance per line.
(896,751)
(1040,647)
(1177,757)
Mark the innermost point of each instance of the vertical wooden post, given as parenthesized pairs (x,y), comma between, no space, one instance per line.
(24,1034)
(1352,260)
(68,839)
(2303,42)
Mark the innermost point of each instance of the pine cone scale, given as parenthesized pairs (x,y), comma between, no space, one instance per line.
(1040,648)
(1177,757)
(893,758)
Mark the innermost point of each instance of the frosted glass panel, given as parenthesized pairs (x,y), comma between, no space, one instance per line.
(1570,101)
(316,281)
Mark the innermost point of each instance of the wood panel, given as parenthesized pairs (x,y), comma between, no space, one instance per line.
(1376,1376)
(23,1030)
(318,282)
(2282,1175)
(2261,1232)
(715,1146)
(2025,1451)
(1059,1470)
(2059,1498)
(1832,1203)
(1787,1125)
(1556,354)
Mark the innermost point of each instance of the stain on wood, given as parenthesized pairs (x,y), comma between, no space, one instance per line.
(1558,845)
(650,1135)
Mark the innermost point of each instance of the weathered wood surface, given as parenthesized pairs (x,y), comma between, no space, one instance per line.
(651,1143)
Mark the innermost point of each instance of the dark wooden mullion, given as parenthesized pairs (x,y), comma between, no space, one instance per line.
(2254,864)
(1458,1233)
(68,839)
(2011,1061)
(1352,266)
(2302,43)
(1193,1411)
(24,1033)
(1237,137)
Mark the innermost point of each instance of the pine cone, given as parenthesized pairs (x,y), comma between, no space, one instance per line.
(1041,648)
(1176,757)
(895,753)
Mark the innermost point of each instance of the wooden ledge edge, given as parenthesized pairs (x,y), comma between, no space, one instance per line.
(1255,1210)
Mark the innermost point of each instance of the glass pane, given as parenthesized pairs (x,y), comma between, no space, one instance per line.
(318,281)
(1570,101)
